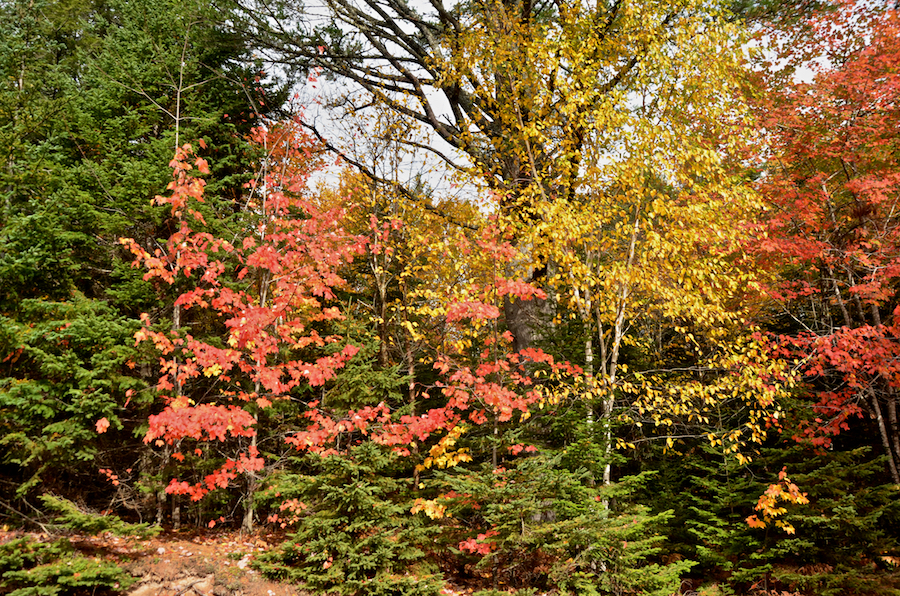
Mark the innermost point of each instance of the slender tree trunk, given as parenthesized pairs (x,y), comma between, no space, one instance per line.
(875,410)
(410,358)
(876,315)
(589,376)
(494,459)
(176,513)
(176,327)
(161,494)
(618,335)
(893,424)
(381,284)
(586,311)
(247,523)
(840,299)
(179,391)
(160,506)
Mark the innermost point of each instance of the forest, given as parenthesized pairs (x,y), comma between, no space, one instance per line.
(484,297)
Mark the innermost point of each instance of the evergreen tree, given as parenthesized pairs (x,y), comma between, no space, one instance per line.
(94,97)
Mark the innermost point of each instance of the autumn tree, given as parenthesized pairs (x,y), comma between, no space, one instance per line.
(87,99)
(654,274)
(832,185)
(267,289)
(524,96)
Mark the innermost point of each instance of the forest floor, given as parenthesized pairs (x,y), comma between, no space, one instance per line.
(188,563)
(181,563)
(208,564)
(220,563)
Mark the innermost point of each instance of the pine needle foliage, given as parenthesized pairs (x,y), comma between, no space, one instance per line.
(842,537)
(71,517)
(539,524)
(29,567)
(356,537)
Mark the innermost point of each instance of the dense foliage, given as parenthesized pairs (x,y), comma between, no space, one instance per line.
(643,340)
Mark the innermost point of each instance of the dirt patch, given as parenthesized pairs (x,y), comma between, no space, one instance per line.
(218,565)
(178,564)
(210,585)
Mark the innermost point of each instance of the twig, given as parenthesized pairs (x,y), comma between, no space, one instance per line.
(23,516)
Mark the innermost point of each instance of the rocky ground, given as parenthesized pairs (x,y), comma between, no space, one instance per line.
(180,564)
(214,563)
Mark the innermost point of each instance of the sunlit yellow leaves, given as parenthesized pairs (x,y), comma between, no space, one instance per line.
(442,454)
(606,152)
(212,371)
(410,327)
(783,491)
(429,507)
(735,373)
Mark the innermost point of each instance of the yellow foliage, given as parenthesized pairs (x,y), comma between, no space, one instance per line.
(429,507)
(783,491)
(442,456)
(212,371)
(608,154)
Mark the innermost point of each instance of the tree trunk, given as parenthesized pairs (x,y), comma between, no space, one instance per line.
(176,513)
(875,410)
(893,424)
(522,318)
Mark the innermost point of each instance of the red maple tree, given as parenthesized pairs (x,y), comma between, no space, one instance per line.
(477,386)
(832,229)
(268,289)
